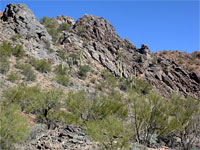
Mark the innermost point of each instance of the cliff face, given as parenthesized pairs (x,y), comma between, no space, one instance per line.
(97,39)
(122,58)
(190,62)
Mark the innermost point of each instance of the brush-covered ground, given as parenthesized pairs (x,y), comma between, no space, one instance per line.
(67,85)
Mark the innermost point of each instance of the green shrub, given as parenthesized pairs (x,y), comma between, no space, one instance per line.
(83,70)
(63,80)
(40,65)
(64,27)
(74,58)
(81,108)
(43,66)
(27,71)
(18,51)
(4,65)
(5,49)
(13,127)
(184,120)
(110,132)
(150,116)
(80,29)
(51,26)
(62,55)
(45,104)
(141,87)
(13,76)
(60,69)
(15,37)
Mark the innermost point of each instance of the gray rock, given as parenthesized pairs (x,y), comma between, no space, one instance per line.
(23,21)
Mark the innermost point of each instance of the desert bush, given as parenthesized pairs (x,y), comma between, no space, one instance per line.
(64,27)
(51,26)
(13,126)
(83,108)
(150,116)
(60,69)
(125,84)
(83,70)
(18,51)
(15,37)
(27,71)
(109,79)
(184,120)
(80,29)
(43,66)
(110,132)
(13,76)
(63,80)
(45,104)
(74,58)
(5,49)
(4,65)
(40,65)
(141,87)
(62,54)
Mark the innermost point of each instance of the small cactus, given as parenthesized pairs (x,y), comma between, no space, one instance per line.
(81,57)
(120,67)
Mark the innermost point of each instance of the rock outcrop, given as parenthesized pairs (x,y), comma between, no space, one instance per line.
(99,41)
(123,58)
(65,137)
(19,19)
(22,21)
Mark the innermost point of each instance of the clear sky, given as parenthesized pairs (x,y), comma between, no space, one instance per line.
(160,24)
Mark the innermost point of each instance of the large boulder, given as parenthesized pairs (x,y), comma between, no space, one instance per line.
(23,21)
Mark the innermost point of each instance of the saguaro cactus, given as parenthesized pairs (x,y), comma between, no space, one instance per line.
(81,57)
(120,67)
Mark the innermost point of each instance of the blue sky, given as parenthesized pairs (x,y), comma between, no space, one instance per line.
(160,24)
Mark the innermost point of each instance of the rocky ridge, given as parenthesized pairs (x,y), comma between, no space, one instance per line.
(109,50)
(98,41)
(190,62)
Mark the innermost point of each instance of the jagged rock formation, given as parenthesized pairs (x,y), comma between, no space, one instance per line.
(19,19)
(98,40)
(109,50)
(190,62)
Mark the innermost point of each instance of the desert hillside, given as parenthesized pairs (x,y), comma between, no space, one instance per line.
(190,62)
(67,85)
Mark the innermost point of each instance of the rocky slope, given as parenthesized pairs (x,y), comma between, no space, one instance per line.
(96,42)
(190,62)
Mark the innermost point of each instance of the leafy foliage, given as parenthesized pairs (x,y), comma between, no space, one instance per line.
(83,70)
(4,65)
(150,116)
(13,76)
(5,49)
(83,108)
(50,24)
(63,79)
(13,126)
(40,65)
(64,27)
(18,51)
(44,104)
(60,69)
(110,132)
(27,71)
